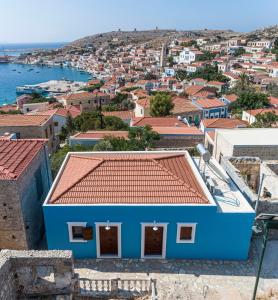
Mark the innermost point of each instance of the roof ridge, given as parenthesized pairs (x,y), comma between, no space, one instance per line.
(179,179)
(82,177)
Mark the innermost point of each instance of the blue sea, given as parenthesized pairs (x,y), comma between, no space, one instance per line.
(13,75)
(17,49)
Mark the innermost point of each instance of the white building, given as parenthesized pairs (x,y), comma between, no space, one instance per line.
(188,56)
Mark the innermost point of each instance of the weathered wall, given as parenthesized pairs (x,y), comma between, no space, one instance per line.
(12,233)
(31,201)
(263,152)
(178,141)
(21,217)
(25,274)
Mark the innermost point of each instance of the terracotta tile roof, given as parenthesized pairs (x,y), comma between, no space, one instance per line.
(79,96)
(16,155)
(273,101)
(124,115)
(216,83)
(183,105)
(255,112)
(145,102)
(231,97)
(131,178)
(8,107)
(178,130)
(100,134)
(209,103)
(211,134)
(193,89)
(224,123)
(22,120)
(158,121)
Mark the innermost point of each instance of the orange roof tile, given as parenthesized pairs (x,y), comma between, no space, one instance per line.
(16,155)
(100,134)
(183,105)
(224,123)
(255,112)
(128,178)
(22,120)
(158,121)
(209,103)
(178,130)
(273,100)
(231,97)
(124,115)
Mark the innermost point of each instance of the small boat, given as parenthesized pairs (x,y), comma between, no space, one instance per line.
(31,69)
(19,72)
(37,72)
(14,70)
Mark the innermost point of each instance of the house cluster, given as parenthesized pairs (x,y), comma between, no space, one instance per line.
(160,203)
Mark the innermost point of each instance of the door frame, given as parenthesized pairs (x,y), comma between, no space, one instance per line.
(164,240)
(103,224)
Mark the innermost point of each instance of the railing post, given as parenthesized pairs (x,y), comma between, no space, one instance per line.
(114,286)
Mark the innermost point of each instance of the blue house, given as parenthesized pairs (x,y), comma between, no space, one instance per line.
(212,108)
(145,205)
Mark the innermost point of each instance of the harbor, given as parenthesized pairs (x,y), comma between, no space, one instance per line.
(51,87)
(17,75)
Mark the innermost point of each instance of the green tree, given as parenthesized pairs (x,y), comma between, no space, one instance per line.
(161,105)
(243,84)
(239,51)
(70,124)
(208,73)
(250,100)
(144,136)
(181,75)
(207,55)
(265,120)
(104,145)
(272,89)
(170,61)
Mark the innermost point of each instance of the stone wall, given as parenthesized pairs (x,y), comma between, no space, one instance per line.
(21,216)
(179,141)
(25,274)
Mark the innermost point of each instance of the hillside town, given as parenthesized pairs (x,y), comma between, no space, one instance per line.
(155,179)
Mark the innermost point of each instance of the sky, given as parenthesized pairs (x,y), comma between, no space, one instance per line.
(33,21)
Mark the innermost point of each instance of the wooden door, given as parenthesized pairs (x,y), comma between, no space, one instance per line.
(108,240)
(153,241)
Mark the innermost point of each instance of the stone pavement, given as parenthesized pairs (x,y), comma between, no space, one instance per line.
(195,279)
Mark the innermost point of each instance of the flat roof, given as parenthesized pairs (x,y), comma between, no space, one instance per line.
(250,136)
(227,196)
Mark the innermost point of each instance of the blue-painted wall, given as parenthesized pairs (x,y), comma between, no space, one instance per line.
(218,235)
(83,142)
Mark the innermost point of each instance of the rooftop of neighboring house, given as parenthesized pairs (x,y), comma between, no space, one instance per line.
(183,105)
(255,112)
(209,103)
(193,89)
(216,83)
(8,107)
(171,130)
(158,121)
(144,102)
(132,178)
(22,120)
(223,123)
(273,101)
(101,134)
(231,97)
(64,112)
(201,80)
(250,136)
(124,115)
(77,96)
(211,134)
(16,155)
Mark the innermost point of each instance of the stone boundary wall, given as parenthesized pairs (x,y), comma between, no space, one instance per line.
(26,274)
(264,206)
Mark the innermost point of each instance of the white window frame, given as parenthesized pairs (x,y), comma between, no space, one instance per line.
(192,241)
(71,238)
(164,242)
(103,224)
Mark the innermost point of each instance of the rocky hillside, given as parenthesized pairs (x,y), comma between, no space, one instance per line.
(264,33)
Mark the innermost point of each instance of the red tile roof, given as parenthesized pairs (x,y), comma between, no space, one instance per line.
(209,103)
(183,105)
(124,115)
(255,112)
(100,134)
(16,155)
(158,121)
(273,101)
(178,130)
(231,97)
(224,123)
(128,178)
(22,120)
(193,89)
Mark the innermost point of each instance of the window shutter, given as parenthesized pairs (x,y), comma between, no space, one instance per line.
(87,233)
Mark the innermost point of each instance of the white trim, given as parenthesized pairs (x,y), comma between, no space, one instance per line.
(179,225)
(118,225)
(164,241)
(70,225)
